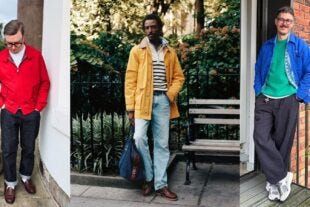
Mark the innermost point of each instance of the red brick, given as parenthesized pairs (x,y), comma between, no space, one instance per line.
(298,14)
(302,120)
(304,8)
(300,1)
(301,131)
(307,30)
(302,149)
(301,180)
(296,6)
(299,27)
(304,36)
(302,107)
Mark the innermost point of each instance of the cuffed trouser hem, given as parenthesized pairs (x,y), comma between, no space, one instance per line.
(160,187)
(10,184)
(24,177)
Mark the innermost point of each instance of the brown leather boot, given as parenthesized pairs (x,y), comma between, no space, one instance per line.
(166,193)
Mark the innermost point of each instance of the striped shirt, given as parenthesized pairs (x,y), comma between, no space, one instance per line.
(159,68)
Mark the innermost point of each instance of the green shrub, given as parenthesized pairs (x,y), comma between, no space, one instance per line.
(106,151)
(211,63)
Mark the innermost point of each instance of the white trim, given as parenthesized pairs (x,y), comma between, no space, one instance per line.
(55,133)
(247,96)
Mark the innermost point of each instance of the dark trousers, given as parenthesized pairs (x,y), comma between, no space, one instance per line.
(14,126)
(274,129)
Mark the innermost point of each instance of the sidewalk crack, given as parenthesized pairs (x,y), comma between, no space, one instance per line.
(205,183)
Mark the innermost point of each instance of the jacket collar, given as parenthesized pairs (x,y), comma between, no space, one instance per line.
(291,38)
(145,42)
(27,55)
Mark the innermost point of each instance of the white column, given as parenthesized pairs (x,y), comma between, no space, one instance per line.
(55,132)
(247,97)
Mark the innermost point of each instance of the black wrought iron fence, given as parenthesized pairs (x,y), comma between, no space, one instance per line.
(99,123)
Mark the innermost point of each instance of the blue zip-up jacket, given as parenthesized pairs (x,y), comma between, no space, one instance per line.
(297,66)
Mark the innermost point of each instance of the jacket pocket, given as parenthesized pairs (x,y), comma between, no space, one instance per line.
(138,99)
(142,77)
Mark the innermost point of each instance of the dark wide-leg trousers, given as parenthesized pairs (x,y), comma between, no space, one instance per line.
(274,129)
(14,126)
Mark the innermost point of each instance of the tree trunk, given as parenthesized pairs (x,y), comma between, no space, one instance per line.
(200,17)
(30,12)
(164,5)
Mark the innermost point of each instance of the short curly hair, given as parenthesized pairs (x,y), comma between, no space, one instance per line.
(153,17)
(285,9)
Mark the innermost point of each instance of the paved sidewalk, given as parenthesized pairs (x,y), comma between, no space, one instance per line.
(42,198)
(212,185)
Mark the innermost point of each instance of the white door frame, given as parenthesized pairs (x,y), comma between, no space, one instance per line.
(247,96)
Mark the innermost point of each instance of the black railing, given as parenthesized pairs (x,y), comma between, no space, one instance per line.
(99,123)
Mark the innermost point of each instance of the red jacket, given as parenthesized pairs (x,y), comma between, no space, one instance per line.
(25,87)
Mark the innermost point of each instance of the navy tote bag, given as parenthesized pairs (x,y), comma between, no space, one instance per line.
(131,164)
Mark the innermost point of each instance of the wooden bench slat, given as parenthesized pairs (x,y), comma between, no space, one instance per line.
(205,145)
(201,148)
(216,121)
(214,142)
(214,107)
(214,111)
(215,101)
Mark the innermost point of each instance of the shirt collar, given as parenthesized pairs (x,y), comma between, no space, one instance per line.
(145,42)
(20,53)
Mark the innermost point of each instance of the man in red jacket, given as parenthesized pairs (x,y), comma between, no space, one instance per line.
(24,90)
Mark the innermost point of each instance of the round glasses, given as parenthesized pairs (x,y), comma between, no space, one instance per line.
(286,21)
(13,44)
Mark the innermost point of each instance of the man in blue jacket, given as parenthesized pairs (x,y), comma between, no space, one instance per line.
(282,80)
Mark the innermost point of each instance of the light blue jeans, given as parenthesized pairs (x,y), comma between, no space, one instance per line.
(160,127)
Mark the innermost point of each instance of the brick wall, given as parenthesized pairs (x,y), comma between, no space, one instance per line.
(302,14)
(300,160)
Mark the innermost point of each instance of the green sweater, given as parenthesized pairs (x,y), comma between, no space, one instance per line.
(277,84)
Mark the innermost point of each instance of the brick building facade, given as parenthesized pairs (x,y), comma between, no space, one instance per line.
(300,157)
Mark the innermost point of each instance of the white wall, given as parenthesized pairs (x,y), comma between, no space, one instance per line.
(247,96)
(55,129)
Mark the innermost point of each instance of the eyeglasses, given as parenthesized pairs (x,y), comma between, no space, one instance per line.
(286,21)
(11,44)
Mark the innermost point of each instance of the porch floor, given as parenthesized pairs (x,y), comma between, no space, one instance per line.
(253,193)
(211,185)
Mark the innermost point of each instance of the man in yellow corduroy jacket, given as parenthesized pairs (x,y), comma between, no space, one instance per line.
(153,80)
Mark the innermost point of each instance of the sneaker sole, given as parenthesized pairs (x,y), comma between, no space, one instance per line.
(290,179)
(274,198)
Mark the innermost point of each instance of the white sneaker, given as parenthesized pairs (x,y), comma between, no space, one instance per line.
(285,186)
(274,193)
(268,186)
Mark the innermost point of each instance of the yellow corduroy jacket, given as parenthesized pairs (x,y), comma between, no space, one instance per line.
(139,80)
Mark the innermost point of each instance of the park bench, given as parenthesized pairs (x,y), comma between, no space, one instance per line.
(206,112)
